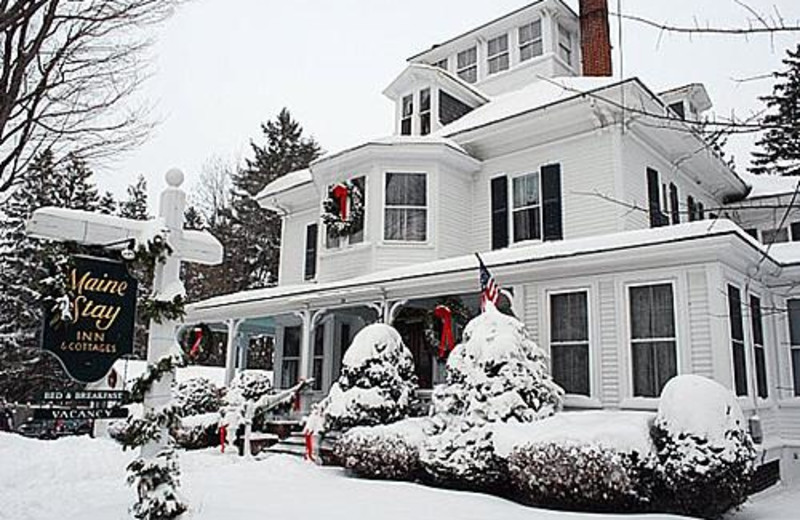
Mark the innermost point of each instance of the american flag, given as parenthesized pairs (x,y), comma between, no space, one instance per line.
(490,291)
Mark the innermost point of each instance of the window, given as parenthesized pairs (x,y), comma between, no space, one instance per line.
(450,108)
(794,340)
(527,208)
(737,340)
(775,236)
(357,235)
(406,207)
(425,111)
(674,204)
(442,64)
(753,232)
(310,271)
(678,109)
(290,364)
(657,217)
(467,62)
(795,227)
(319,356)
(497,54)
(408,112)
(758,347)
(565,44)
(530,40)
(569,341)
(653,338)
(691,208)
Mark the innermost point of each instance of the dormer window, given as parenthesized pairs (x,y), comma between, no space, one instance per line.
(408,114)
(425,111)
(565,44)
(530,40)
(498,54)
(468,65)
(442,64)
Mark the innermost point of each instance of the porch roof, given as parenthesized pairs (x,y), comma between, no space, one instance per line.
(661,247)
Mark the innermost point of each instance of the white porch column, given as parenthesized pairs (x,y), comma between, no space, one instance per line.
(230,352)
(305,343)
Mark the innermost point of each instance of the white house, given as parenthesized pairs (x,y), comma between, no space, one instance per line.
(632,250)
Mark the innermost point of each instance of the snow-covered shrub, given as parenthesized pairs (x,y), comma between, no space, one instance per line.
(250,385)
(706,457)
(376,385)
(578,477)
(498,374)
(198,431)
(382,452)
(156,481)
(196,396)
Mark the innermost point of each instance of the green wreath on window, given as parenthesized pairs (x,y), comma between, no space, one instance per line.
(343,209)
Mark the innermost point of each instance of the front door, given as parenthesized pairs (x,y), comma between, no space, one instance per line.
(413,333)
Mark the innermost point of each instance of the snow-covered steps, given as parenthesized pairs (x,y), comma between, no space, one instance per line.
(294,444)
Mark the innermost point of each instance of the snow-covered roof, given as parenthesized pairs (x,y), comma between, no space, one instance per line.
(286,182)
(397,140)
(769,185)
(297,296)
(421,72)
(536,96)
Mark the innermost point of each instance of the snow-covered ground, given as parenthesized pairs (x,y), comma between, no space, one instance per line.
(83,479)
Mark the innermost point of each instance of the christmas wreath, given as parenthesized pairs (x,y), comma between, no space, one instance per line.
(343,209)
(443,324)
(197,342)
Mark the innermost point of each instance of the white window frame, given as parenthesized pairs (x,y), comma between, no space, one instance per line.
(589,335)
(443,64)
(513,209)
(497,56)
(424,112)
(532,42)
(473,65)
(344,242)
(746,340)
(626,288)
(285,358)
(407,116)
(565,52)
(427,207)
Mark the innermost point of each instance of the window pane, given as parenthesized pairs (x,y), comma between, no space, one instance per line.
(498,45)
(739,368)
(531,31)
(569,319)
(526,190)
(794,321)
(531,50)
(291,342)
(394,225)
(571,368)
(652,312)
(526,225)
(408,106)
(775,236)
(319,340)
(796,370)
(469,75)
(425,100)
(289,373)
(654,363)
(416,225)
(405,126)
(405,189)
(761,373)
(735,313)
(425,124)
(755,318)
(498,64)
(467,57)
(317,373)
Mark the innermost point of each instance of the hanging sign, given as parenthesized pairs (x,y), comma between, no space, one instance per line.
(100,326)
(79,413)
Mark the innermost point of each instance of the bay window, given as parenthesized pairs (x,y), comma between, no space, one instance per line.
(406,213)
(569,341)
(653,338)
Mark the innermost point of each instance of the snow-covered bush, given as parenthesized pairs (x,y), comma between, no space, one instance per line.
(383,452)
(498,374)
(196,396)
(250,385)
(198,431)
(578,477)
(706,457)
(376,385)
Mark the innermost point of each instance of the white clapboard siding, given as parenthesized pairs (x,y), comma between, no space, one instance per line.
(293,246)
(347,263)
(586,165)
(455,214)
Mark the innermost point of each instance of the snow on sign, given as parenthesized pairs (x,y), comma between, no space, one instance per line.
(98,327)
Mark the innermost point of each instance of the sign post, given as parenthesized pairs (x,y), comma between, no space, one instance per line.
(192,246)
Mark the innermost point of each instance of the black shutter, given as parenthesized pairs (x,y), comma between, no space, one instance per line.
(701,211)
(795,227)
(674,204)
(691,208)
(499,194)
(551,203)
(311,252)
(657,219)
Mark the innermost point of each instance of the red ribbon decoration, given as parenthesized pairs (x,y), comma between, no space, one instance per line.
(340,193)
(309,454)
(448,341)
(198,337)
(223,431)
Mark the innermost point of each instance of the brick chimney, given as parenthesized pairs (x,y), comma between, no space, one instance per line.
(595,38)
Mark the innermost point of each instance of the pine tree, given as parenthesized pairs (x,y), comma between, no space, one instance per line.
(779,147)
(107,204)
(253,245)
(25,370)
(135,206)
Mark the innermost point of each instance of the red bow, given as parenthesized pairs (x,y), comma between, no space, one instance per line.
(448,342)
(198,337)
(309,454)
(340,193)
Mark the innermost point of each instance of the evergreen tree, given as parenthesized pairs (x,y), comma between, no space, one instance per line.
(107,204)
(135,206)
(24,369)
(253,245)
(779,147)
(193,219)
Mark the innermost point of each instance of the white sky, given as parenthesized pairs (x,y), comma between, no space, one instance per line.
(224,66)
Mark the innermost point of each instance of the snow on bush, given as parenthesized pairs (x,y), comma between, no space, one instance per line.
(248,385)
(498,374)
(376,385)
(197,395)
(383,452)
(198,431)
(705,455)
